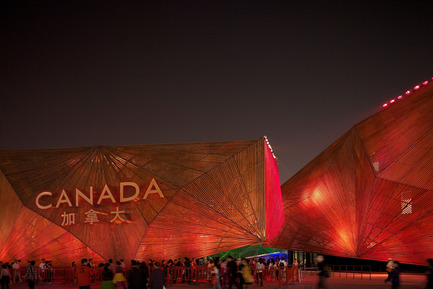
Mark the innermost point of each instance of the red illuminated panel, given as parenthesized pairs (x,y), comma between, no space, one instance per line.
(34,237)
(274,203)
(136,202)
(368,195)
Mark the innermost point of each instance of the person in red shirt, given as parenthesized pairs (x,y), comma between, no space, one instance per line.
(84,275)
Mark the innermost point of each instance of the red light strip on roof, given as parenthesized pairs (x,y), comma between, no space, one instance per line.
(269,145)
(408,92)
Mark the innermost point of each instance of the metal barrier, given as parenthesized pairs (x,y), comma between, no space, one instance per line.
(57,273)
(310,271)
(351,270)
(194,275)
(180,274)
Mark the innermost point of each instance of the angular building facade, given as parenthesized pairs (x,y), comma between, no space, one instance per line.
(137,202)
(370,194)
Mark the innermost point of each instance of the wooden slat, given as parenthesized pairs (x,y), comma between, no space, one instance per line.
(214,200)
(349,201)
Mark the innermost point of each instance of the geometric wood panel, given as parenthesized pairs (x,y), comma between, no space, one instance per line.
(370,194)
(134,202)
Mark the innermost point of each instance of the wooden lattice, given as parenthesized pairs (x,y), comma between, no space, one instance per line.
(370,194)
(194,200)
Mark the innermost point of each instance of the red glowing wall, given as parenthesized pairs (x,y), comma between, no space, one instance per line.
(136,202)
(274,203)
(370,194)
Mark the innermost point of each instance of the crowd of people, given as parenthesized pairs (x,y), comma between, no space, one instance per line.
(10,273)
(228,273)
(113,274)
(221,273)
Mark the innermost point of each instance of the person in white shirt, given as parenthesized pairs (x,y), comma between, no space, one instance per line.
(389,267)
(42,267)
(16,274)
(273,268)
(259,272)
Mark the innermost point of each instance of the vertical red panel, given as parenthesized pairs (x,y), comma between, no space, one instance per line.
(274,202)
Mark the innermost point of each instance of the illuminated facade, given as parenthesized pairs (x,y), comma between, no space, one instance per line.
(370,194)
(136,202)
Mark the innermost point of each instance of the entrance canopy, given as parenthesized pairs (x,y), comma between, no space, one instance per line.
(249,251)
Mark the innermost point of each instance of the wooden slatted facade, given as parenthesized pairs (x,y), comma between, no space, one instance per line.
(214,197)
(370,194)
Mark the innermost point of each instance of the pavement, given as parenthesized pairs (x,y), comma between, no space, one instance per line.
(338,281)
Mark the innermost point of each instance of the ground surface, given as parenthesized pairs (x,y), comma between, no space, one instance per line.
(408,281)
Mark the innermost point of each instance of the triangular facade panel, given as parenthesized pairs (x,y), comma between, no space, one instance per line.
(369,195)
(131,201)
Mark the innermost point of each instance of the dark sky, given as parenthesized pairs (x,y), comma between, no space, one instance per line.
(82,73)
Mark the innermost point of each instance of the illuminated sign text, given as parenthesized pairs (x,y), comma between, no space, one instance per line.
(106,194)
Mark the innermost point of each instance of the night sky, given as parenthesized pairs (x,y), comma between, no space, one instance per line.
(84,73)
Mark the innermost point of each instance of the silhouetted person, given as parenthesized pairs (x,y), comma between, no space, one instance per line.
(395,275)
(136,278)
(216,278)
(32,275)
(246,274)
(429,274)
(112,266)
(5,276)
(84,275)
(323,273)
(156,277)
(119,276)
(232,269)
(107,278)
(144,268)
